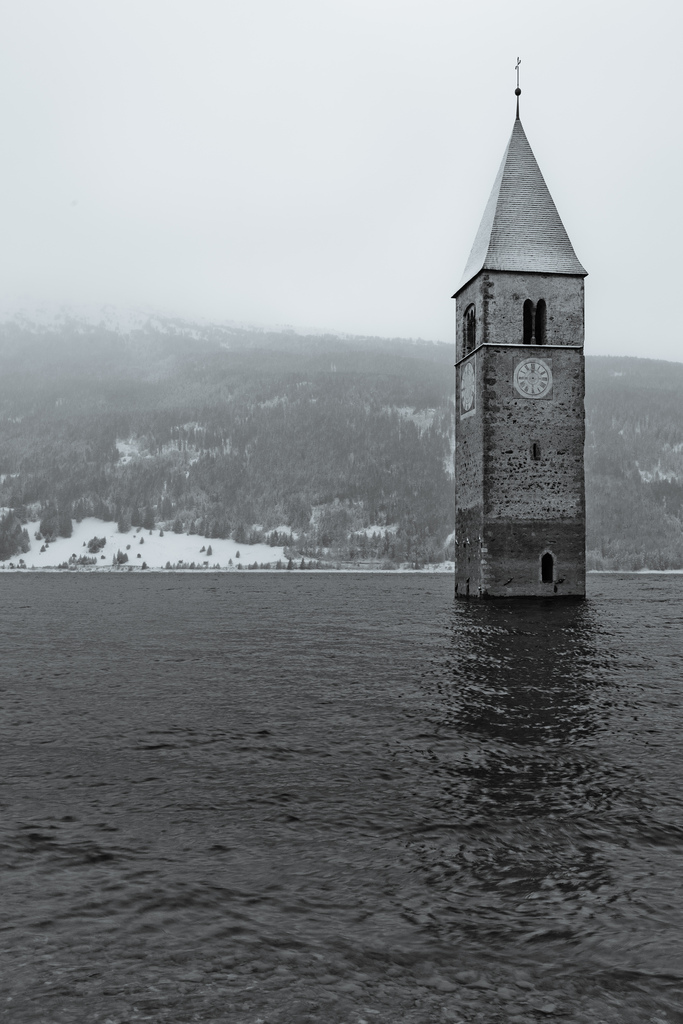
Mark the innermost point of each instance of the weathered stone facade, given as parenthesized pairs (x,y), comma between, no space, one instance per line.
(519,477)
(498,298)
(520,502)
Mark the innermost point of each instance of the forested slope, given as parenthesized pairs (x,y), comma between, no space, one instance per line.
(322,436)
(634,463)
(343,445)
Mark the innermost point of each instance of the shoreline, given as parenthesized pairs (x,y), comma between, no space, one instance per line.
(433,569)
(97,546)
(123,569)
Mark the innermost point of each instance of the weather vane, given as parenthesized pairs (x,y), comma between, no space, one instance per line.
(518,91)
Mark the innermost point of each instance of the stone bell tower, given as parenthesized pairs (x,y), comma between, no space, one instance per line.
(520,501)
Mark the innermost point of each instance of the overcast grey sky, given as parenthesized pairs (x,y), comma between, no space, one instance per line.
(323,163)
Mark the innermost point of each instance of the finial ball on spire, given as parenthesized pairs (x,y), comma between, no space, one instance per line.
(518,91)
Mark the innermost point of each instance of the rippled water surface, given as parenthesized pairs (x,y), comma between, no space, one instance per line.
(305,797)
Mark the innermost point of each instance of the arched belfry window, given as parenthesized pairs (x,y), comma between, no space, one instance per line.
(547,567)
(470,329)
(528,322)
(541,317)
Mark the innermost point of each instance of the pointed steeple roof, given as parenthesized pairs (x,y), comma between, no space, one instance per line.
(521,228)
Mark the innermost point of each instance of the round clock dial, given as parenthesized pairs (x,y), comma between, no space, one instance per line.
(533,378)
(467,388)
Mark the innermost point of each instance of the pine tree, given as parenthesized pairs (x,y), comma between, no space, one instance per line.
(12,537)
(49,523)
(65,523)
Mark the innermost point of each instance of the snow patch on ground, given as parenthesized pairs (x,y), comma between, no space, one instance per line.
(422,418)
(136,448)
(449,460)
(658,473)
(432,567)
(636,572)
(156,551)
(381,530)
(128,450)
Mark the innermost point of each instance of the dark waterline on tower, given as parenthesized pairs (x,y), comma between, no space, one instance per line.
(305,797)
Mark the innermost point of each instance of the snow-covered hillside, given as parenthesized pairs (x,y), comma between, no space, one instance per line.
(141,546)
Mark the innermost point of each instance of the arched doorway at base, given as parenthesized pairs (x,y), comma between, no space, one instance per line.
(547,568)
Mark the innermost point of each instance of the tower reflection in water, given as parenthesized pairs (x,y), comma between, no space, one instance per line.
(524,801)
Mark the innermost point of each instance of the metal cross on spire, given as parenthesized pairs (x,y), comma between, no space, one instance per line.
(518,91)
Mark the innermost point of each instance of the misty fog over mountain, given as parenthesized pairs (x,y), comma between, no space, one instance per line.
(338,446)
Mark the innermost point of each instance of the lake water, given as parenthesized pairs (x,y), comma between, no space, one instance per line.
(339,798)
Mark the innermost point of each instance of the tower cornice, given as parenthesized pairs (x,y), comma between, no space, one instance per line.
(539,273)
(531,350)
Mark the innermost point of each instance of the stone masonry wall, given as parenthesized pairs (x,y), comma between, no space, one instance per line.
(533,506)
(516,503)
(505,300)
(517,485)
(474,292)
(512,558)
(469,482)
(499,298)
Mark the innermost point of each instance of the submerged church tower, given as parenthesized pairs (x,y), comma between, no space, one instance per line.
(520,501)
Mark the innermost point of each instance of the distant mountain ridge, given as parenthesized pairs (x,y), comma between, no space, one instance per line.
(56,317)
(344,443)
(60,318)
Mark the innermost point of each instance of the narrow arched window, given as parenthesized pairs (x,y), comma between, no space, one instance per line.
(535,451)
(541,317)
(547,566)
(528,322)
(470,329)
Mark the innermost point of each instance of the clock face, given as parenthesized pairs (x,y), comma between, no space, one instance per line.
(533,378)
(467,388)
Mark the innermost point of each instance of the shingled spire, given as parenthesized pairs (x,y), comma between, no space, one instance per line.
(521,229)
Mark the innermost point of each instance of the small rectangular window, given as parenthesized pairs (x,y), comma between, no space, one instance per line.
(535,451)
